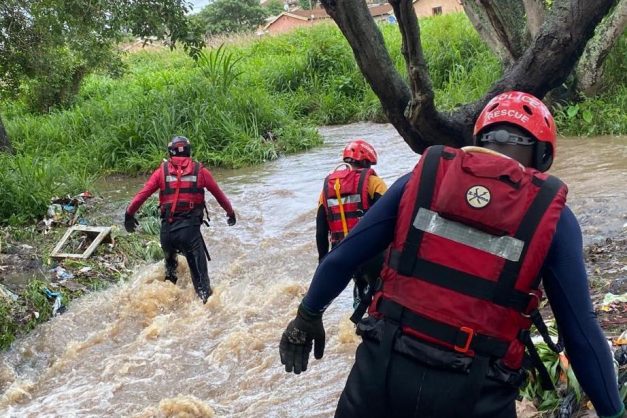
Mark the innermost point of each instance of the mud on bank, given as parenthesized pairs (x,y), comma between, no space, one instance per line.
(26,270)
(30,278)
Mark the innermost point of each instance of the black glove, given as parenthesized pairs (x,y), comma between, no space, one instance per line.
(130,222)
(297,340)
(231,219)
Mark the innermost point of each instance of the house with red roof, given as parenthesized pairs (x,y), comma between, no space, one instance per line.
(290,20)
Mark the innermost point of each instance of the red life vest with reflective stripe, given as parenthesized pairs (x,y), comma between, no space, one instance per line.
(179,191)
(472,233)
(353,189)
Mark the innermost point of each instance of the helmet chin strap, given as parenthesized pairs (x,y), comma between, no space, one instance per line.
(502,136)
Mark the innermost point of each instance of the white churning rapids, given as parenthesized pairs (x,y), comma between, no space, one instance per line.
(147,348)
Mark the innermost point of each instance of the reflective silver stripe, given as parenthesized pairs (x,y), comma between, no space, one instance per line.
(506,247)
(171,179)
(352,198)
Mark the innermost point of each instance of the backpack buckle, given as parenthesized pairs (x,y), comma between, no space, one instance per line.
(470,333)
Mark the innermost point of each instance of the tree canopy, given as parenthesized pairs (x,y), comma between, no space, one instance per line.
(274,7)
(48,46)
(230,16)
(409,105)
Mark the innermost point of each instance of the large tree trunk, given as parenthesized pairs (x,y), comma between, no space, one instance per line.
(490,18)
(535,10)
(374,61)
(5,143)
(589,72)
(502,24)
(544,65)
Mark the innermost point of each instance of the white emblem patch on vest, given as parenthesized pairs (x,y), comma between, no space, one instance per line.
(478,197)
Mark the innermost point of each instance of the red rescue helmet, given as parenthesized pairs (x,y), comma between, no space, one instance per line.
(527,112)
(360,152)
(180,146)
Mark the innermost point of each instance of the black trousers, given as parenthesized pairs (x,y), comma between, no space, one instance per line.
(185,237)
(414,389)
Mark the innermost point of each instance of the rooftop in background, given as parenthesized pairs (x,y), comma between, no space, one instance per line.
(287,21)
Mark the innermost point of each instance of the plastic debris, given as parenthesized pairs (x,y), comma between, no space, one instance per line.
(6,293)
(85,270)
(610,299)
(567,406)
(64,211)
(61,273)
(57,307)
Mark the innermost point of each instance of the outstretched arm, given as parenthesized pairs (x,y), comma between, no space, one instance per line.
(206,180)
(566,286)
(151,186)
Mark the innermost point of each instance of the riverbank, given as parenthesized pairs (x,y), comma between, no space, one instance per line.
(275,204)
(27,268)
(28,273)
(31,281)
(246,104)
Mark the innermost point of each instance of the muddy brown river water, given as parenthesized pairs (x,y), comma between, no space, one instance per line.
(150,349)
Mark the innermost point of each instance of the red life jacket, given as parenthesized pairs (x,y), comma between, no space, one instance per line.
(179,191)
(472,233)
(353,189)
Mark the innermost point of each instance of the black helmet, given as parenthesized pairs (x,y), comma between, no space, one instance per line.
(180,147)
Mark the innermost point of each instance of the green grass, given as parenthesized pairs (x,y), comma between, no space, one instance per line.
(246,104)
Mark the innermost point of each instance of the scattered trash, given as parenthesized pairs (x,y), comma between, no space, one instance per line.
(611,299)
(85,270)
(57,307)
(64,211)
(567,405)
(82,244)
(6,293)
(61,273)
(622,339)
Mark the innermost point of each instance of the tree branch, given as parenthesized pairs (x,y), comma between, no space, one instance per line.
(502,24)
(432,126)
(374,61)
(544,65)
(589,70)
(552,55)
(535,11)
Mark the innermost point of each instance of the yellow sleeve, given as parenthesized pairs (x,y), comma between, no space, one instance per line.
(376,185)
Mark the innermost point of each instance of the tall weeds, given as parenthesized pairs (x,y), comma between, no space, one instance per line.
(244,104)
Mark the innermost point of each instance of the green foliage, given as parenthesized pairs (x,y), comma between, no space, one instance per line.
(38,302)
(149,217)
(247,104)
(29,182)
(604,114)
(48,46)
(565,381)
(274,7)
(8,327)
(219,68)
(307,4)
(230,16)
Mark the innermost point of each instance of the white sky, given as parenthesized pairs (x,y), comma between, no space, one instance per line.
(199,4)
